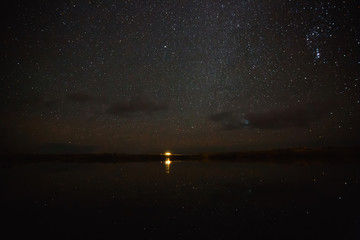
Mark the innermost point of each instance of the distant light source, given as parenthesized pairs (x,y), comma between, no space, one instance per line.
(167,154)
(167,162)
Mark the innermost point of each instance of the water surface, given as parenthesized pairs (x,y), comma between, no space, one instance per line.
(181,200)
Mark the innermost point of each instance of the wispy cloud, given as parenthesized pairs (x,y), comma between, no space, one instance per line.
(297,116)
(83,97)
(135,106)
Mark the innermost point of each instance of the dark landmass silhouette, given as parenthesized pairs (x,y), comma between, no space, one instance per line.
(343,154)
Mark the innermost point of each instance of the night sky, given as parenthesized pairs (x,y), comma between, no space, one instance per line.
(185,76)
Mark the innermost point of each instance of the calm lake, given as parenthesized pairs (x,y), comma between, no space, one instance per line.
(180,200)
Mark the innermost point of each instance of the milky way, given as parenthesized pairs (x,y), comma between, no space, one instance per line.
(185,76)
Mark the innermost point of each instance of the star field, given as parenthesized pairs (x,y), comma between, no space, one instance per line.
(189,76)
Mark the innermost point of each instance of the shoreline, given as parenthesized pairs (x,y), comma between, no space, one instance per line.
(283,155)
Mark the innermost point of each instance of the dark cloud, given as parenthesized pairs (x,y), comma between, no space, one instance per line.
(135,106)
(30,101)
(66,148)
(296,116)
(83,97)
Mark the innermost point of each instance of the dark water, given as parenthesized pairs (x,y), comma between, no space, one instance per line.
(180,200)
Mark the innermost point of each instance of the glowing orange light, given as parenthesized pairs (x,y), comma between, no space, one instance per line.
(167,154)
(167,165)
